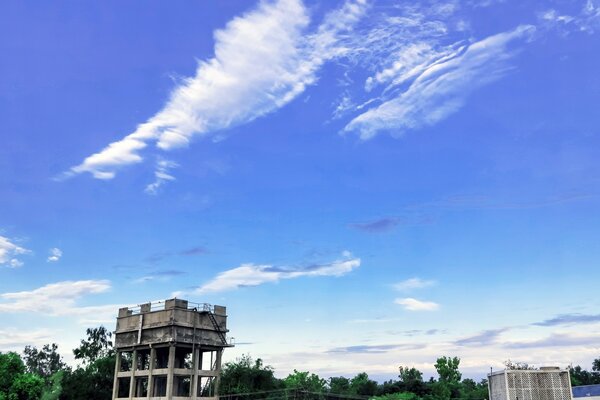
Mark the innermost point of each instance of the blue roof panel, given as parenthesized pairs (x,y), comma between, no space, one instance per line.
(586,391)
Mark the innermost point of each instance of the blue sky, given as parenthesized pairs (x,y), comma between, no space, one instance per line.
(364,184)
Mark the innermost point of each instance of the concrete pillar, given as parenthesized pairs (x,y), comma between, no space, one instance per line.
(171,366)
(218,369)
(116,381)
(195,367)
(133,368)
(150,369)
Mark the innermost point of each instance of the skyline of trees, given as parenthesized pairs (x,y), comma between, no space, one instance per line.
(42,374)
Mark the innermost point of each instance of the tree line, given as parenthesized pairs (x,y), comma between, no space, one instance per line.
(41,374)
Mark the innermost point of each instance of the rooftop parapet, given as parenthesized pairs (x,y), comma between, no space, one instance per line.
(172,321)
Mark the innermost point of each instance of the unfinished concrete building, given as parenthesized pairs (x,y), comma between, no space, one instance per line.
(546,383)
(169,350)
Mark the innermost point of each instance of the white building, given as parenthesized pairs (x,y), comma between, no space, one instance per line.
(546,383)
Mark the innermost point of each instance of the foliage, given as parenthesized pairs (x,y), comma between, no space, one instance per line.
(44,362)
(26,387)
(98,345)
(42,375)
(305,381)
(11,367)
(471,390)
(53,388)
(362,385)
(411,380)
(247,376)
(580,376)
(397,396)
(93,382)
(518,365)
(447,369)
(339,385)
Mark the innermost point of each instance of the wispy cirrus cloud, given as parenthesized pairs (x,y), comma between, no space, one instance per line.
(442,87)
(191,251)
(254,275)
(375,349)
(379,225)
(263,60)
(412,304)
(587,20)
(55,254)
(413,283)
(555,340)
(10,252)
(162,175)
(570,319)
(163,275)
(484,338)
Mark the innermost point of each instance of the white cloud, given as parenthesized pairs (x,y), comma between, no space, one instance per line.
(15,339)
(161,175)
(254,275)
(55,254)
(441,88)
(58,299)
(411,304)
(262,61)
(587,20)
(413,283)
(9,252)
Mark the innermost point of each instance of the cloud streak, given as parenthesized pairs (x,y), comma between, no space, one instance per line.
(570,319)
(375,349)
(55,254)
(411,304)
(248,275)
(263,60)
(484,338)
(555,340)
(441,88)
(413,283)
(162,175)
(9,253)
(58,299)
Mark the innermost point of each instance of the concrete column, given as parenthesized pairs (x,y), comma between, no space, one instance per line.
(116,382)
(150,369)
(133,368)
(195,367)
(171,366)
(218,369)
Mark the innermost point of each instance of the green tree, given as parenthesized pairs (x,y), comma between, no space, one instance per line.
(448,383)
(411,380)
(91,382)
(246,375)
(596,368)
(362,385)
(305,381)
(471,390)
(339,385)
(11,366)
(396,396)
(44,362)
(26,387)
(53,388)
(97,345)
(447,369)
(580,376)
(94,380)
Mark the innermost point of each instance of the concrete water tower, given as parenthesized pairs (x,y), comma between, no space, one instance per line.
(169,350)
